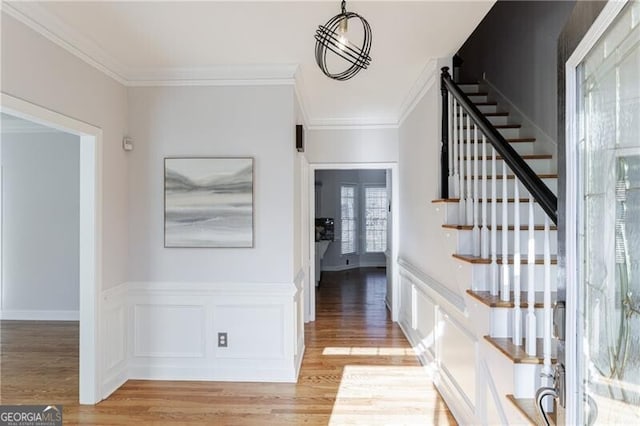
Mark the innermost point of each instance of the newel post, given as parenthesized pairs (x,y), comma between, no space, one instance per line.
(444,149)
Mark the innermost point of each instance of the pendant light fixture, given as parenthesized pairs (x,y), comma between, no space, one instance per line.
(334,36)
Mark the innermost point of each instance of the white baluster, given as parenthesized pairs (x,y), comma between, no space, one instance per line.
(463,197)
(450,183)
(475,233)
(517,312)
(469,213)
(530,339)
(504,292)
(546,345)
(456,142)
(494,225)
(484,229)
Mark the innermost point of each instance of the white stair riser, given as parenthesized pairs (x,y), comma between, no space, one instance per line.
(487,108)
(552,183)
(526,380)
(465,242)
(502,322)
(507,133)
(495,120)
(481,277)
(522,148)
(478,99)
(538,165)
(470,88)
(538,215)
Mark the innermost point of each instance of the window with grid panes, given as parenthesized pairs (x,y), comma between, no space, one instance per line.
(376,219)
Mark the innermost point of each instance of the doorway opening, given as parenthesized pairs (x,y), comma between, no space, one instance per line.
(353,224)
(85,216)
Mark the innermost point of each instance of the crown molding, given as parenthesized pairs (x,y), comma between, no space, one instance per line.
(44,23)
(36,17)
(425,81)
(353,124)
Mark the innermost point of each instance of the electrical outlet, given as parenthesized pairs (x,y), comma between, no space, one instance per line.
(222,340)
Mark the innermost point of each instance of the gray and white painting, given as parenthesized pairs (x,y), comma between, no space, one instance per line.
(208,202)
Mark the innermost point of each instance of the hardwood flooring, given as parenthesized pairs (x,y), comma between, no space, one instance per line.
(358,369)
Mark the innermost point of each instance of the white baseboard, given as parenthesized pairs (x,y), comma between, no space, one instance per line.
(33,315)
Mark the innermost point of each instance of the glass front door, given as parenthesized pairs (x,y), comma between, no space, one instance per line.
(610,223)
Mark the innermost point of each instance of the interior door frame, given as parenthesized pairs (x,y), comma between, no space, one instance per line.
(90,265)
(392,167)
(574,210)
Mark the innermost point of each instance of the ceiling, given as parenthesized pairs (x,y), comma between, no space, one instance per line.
(241,42)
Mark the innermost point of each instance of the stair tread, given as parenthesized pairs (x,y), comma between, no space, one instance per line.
(510,140)
(488,103)
(498,126)
(477,260)
(517,354)
(476,93)
(499,227)
(527,407)
(491,114)
(489,200)
(525,157)
(488,299)
(499,176)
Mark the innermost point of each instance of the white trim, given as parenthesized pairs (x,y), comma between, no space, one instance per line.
(424,281)
(62,35)
(425,81)
(352,123)
(574,359)
(90,231)
(33,315)
(207,288)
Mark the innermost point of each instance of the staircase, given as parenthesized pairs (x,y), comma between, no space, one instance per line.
(506,239)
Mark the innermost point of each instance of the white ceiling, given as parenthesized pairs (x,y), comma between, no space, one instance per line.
(142,43)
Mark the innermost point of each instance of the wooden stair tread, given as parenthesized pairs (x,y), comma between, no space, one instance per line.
(524,157)
(517,354)
(491,301)
(510,140)
(499,176)
(492,114)
(499,126)
(477,260)
(499,227)
(527,407)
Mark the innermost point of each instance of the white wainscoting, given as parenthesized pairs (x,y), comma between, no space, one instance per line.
(169,331)
(435,320)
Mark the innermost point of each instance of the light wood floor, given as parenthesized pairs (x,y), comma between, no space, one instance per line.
(358,369)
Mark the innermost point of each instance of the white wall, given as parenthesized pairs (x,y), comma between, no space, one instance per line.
(179,299)
(352,145)
(41,223)
(245,121)
(516,45)
(38,71)
(330,207)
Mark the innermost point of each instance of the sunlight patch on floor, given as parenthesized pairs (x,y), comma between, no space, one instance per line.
(368,351)
(387,395)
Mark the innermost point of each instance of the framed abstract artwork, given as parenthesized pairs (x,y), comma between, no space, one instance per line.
(208,202)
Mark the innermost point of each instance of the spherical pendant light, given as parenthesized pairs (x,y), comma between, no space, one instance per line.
(333,37)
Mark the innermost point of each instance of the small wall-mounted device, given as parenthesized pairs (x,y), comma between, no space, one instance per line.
(127,144)
(299,138)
